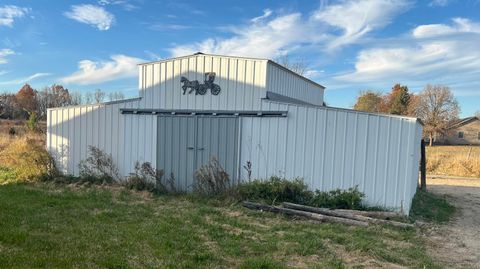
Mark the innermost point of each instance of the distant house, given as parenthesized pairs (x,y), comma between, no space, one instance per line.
(463,132)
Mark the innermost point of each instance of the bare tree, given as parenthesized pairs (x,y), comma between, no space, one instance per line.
(99,96)
(77,98)
(113,96)
(8,106)
(436,107)
(53,96)
(88,98)
(299,66)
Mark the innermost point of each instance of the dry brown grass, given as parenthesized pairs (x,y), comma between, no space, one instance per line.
(23,157)
(461,161)
(19,126)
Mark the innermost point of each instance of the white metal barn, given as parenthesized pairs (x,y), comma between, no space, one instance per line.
(239,110)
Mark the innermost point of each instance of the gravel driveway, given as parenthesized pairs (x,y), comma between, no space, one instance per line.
(457,244)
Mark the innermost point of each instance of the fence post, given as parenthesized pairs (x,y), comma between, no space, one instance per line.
(423,167)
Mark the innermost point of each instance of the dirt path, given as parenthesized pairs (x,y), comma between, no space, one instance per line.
(457,244)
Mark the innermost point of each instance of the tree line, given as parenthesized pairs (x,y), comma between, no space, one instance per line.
(28,102)
(435,105)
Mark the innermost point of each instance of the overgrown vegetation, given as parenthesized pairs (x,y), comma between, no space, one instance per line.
(98,167)
(24,159)
(276,190)
(211,179)
(454,160)
(345,199)
(428,206)
(147,178)
(56,226)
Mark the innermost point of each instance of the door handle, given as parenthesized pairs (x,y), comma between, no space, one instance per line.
(190,148)
(200,148)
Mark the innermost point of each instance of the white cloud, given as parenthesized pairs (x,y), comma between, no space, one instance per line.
(25,79)
(312,73)
(266,39)
(127,5)
(269,36)
(4,53)
(440,58)
(9,13)
(95,16)
(357,18)
(440,3)
(91,72)
(266,13)
(168,27)
(460,25)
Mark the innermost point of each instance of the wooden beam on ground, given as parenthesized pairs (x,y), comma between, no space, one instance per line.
(348,215)
(308,215)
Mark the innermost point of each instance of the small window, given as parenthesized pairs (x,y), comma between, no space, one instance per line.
(460,134)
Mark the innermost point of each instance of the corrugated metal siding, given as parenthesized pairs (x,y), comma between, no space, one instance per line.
(185,143)
(242,82)
(334,148)
(127,138)
(285,83)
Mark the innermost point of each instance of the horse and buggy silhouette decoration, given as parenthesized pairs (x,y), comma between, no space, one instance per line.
(201,89)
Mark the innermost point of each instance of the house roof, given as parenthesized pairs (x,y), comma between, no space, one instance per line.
(239,57)
(462,122)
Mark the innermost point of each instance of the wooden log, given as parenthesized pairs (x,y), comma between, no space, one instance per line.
(305,214)
(348,215)
(372,214)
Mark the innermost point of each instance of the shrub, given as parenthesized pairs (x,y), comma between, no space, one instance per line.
(12,131)
(344,199)
(32,122)
(211,179)
(275,189)
(98,167)
(139,183)
(26,159)
(145,177)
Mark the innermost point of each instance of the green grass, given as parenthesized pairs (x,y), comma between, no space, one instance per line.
(52,226)
(428,206)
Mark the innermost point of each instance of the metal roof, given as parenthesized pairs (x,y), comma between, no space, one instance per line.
(462,122)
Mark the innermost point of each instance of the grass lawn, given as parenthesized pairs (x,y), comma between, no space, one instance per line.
(51,226)
(431,207)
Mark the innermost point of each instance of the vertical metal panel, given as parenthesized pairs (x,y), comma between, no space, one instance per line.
(242,82)
(334,148)
(285,83)
(185,143)
(128,138)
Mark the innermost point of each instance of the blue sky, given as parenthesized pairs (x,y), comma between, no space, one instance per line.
(349,46)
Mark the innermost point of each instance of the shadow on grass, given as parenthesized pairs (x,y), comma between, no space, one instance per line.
(427,206)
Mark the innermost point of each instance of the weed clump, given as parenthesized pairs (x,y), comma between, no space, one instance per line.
(147,178)
(278,190)
(274,190)
(338,199)
(98,167)
(211,179)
